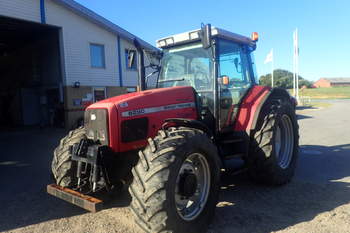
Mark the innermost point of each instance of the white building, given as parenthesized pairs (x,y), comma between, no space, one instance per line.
(57,56)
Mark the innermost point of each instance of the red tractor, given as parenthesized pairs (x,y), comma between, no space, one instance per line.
(173,142)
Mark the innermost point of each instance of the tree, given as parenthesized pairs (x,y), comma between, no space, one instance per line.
(283,79)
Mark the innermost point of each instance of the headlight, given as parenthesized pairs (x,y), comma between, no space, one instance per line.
(96,125)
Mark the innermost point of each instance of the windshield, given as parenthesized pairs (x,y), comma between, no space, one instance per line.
(188,65)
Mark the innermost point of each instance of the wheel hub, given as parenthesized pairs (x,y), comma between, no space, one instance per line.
(284,142)
(187,185)
(192,186)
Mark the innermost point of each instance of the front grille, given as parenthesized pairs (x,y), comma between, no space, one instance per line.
(134,130)
(96,125)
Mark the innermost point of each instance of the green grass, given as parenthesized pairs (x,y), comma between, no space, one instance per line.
(325,93)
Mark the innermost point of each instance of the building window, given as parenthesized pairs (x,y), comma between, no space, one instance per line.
(97,55)
(99,93)
(131,59)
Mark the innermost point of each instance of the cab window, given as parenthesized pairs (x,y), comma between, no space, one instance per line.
(234,66)
(233,63)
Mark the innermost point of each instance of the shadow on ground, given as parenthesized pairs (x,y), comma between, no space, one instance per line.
(301,117)
(248,207)
(305,107)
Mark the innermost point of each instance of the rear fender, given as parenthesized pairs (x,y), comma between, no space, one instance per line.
(275,93)
(250,107)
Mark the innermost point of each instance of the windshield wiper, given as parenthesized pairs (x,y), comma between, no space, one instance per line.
(171,80)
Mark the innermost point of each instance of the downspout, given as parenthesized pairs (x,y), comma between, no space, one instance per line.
(42,12)
(119,63)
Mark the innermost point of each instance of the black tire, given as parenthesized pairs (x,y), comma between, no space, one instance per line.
(263,160)
(153,186)
(62,166)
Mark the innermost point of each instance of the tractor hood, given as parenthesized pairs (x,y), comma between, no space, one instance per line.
(134,117)
(145,99)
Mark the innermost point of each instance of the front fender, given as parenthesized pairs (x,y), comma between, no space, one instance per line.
(187,123)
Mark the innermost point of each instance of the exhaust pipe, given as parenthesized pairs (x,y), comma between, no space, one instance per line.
(140,66)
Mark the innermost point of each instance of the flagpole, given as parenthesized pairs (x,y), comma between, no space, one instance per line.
(294,76)
(272,81)
(294,66)
(269,58)
(297,63)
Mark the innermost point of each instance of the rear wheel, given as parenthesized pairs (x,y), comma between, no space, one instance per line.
(62,166)
(176,182)
(274,145)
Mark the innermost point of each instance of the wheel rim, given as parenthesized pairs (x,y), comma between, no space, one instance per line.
(284,141)
(192,186)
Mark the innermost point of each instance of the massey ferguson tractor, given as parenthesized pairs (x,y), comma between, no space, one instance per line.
(170,144)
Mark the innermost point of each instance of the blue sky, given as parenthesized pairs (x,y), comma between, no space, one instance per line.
(324,27)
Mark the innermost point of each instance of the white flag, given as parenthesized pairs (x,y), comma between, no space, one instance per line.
(269,57)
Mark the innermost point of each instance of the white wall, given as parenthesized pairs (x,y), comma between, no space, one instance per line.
(78,33)
(21,9)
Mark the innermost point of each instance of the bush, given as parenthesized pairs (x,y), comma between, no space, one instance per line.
(283,79)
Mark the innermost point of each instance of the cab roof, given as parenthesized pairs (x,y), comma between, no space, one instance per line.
(194,35)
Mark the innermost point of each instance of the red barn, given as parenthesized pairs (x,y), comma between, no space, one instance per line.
(332,82)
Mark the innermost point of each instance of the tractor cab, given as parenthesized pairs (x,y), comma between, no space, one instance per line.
(218,64)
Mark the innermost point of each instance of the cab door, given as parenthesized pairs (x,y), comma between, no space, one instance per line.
(234,70)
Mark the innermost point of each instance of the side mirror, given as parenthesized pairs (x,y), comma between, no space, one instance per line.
(237,65)
(206,36)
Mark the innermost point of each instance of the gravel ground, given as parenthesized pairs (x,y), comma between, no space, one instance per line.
(317,200)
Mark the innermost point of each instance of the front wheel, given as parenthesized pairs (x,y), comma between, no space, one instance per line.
(176,182)
(63,167)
